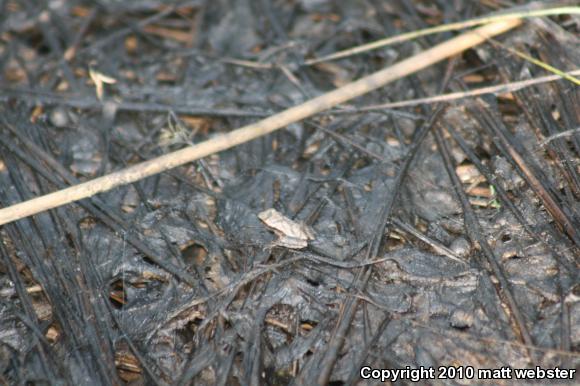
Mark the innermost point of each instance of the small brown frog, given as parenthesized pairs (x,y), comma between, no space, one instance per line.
(291,234)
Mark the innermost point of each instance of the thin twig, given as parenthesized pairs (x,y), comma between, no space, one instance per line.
(566,133)
(247,133)
(498,89)
(42,97)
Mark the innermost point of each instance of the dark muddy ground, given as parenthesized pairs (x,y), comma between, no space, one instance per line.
(435,235)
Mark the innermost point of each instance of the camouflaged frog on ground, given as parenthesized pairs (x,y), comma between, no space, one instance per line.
(291,234)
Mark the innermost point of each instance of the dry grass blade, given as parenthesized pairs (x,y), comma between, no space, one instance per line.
(539,63)
(443,28)
(247,133)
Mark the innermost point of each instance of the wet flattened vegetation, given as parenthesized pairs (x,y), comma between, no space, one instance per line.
(396,230)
